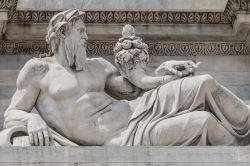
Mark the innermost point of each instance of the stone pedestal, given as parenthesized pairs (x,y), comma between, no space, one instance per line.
(125,156)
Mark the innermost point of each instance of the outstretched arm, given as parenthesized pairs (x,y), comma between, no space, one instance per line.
(141,79)
(179,68)
(166,72)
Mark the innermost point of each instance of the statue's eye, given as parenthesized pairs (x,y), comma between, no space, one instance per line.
(81,30)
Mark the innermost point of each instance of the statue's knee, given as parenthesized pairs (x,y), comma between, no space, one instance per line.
(206,78)
(208,82)
(205,117)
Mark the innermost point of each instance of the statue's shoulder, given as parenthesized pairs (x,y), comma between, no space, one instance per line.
(103,64)
(96,61)
(31,71)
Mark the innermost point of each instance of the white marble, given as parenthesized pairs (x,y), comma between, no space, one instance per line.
(125,156)
(88,101)
(131,57)
(115,5)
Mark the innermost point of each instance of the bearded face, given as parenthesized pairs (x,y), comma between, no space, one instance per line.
(75,45)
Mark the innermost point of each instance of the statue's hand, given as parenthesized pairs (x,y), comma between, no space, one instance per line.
(39,132)
(178,68)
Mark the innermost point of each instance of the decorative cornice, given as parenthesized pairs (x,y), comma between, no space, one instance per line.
(9,5)
(155,17)
(29,17)
(22,47)
(234,6)
(151,17)
(104,48)
(97,48)
(132,17)
(198,48)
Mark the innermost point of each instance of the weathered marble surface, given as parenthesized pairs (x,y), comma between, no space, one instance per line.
(216,32)
(212,27)
(125,156)
(76,95)
(231,71)
(162,5)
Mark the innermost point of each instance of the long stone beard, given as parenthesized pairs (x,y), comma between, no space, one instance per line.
(76,54)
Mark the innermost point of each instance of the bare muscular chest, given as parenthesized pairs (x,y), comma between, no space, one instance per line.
(61,83)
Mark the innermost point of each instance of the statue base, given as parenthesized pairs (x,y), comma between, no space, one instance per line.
(125,156)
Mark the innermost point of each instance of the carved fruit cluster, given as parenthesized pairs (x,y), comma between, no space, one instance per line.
(130,51)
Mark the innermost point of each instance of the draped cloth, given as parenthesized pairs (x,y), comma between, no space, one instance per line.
(190,111)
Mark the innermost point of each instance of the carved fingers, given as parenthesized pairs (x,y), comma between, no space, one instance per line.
(41,137)
(174,71)
(39,133)
(191,66)
(46,137)
(31,138)
(178,68)
(169,68)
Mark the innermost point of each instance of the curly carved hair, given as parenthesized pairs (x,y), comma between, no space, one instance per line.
(58,25)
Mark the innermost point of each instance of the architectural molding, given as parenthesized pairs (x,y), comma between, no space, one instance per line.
(132,17)
(104,48)
(10,6)
(22,47)
(234,6)
(135,17)
(97,48)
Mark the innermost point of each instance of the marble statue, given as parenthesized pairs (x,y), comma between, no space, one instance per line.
(131,57)
(88,101)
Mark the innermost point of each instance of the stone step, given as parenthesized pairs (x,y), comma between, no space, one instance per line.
(125,156)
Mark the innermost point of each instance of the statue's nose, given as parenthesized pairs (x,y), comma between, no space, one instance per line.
(85,36)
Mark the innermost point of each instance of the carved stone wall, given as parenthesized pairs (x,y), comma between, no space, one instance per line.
(159,18)
(128,156)
(234,6)
(105,48)
(225,17)
(232,71)
(9,5)
(133,17)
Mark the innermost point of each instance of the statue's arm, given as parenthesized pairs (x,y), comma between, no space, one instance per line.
(166,72)
(117,85)
(24,99)
(120,87)
(26,93)
(141,79)
(18,112)
(179,68)
(133,68)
